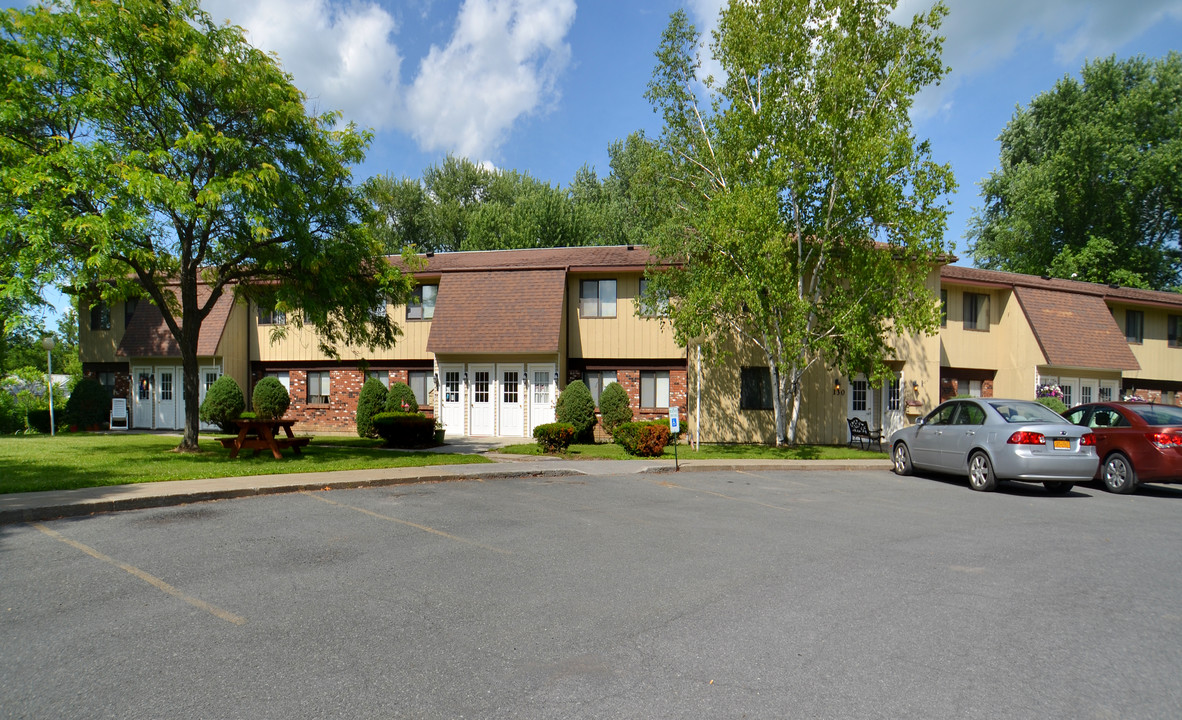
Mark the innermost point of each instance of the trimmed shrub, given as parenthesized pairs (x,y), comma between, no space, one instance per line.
(401,399)
(576,406)
(223,404)
(1054,404)
(370,401)
(39,420)
(554,437)
(270,399)
(614,407)
(88,405)
(404,430)
(11,419)
(645,439)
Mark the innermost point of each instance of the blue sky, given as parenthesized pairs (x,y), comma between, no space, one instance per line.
(544,86)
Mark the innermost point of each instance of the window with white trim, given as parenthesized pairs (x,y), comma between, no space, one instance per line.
(423,384)
(597,380)
(654,388)
(319,388)
(421,305)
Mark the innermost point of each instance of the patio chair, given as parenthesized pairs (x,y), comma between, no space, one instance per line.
(118,413)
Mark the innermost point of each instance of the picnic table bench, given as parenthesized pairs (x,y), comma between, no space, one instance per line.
(861,432)
(259,435)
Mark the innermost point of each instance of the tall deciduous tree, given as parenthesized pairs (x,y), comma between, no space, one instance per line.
(1090,184)
(146,150)
(803,212)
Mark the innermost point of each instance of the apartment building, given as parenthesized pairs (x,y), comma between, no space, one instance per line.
(490,338)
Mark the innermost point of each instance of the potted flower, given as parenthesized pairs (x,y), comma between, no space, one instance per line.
(439,432)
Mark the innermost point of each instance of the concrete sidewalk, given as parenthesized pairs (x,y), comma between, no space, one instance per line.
(35,506)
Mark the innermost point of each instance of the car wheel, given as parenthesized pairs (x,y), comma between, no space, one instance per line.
(1119,475)
(1058,488)
(981,476)
(902,460)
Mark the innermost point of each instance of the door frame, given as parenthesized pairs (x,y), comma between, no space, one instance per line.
(518,429)
(541,414)
(143,409)
(489,406)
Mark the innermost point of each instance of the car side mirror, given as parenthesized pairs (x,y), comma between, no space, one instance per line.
(921,421)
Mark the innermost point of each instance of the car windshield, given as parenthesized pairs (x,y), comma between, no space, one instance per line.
(1158,414)
(1025,412)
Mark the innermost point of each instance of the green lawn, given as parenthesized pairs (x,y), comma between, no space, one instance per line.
(612,451)
(38,462)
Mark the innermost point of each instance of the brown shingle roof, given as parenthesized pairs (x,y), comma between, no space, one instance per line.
(498,312)
(1075,330)
(996,278)
(605,258)
(147,334)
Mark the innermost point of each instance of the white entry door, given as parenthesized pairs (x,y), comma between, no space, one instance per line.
(167,388)
(1088,391)
(861,402)
(542,395)
(892,405)
(141,397)
(1070,388)
(209,375)
(511,410)
(451,401)
(480,399)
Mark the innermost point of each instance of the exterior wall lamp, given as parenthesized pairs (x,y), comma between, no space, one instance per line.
(837,387)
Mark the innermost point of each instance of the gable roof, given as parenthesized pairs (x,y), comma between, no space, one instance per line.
(147,334)
(498,312)
(598,258)
(1110,293)
(1075,330)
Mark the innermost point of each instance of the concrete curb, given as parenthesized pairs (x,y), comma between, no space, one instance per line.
(51,505)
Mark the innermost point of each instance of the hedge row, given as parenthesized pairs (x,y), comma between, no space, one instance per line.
(554,437)
(404,430)
(645,439)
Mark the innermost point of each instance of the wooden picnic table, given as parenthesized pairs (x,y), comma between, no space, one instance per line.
(259,435)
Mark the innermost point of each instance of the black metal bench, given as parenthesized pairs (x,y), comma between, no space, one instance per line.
(861,432)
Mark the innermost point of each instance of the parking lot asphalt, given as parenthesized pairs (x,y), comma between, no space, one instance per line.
(36,506)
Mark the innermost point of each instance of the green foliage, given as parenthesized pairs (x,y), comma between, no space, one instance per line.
(401,398)
(150,149)
(1089,183)
(614,407)
(270,399)
(223,403)
(39,420)
(576,407)
(644,439)
(802,213)
(405,430)
(554,437)
(370,401)
(12,419)
(1054,404)
(89,404)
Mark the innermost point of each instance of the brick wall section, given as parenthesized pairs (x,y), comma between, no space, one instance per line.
(630,381)
(340,414)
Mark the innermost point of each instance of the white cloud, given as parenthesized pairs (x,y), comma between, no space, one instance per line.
(981,35)
(502,63)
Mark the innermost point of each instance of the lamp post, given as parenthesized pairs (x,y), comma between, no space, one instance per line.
(48,343)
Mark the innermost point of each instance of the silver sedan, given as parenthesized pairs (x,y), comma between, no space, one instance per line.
(991,439)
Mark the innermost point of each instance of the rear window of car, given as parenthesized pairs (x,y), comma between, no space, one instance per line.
(1158,414)
(1026,412)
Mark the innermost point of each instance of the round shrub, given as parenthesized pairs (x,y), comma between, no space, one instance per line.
(88,405)
(270,399)
(401,399)
(576,406)
(554,437)
(1054,403)
(370,401)
(614,407)
(11,418)
(405,430)
(223,404)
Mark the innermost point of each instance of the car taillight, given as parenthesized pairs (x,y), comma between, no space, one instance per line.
(1087,439)
(1164,440)
(1025,437)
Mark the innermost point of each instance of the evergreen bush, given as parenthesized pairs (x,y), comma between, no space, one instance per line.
(1054,404)
(223,404)
(370,401)
(554,437)
(89,404)
(404,430)
(614,407)
(576,406)
(270,399)
(11,418)
(401,399)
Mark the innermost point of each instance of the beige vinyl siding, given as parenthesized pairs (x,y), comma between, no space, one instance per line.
(302,344)
(624,336)
(232,346)
(100,345)
(1157,359)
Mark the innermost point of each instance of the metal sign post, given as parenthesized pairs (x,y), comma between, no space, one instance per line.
(674,429)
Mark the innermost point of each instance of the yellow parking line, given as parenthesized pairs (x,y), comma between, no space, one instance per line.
(416,526)
(146,577)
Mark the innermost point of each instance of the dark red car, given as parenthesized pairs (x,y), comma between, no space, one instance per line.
(1137,442)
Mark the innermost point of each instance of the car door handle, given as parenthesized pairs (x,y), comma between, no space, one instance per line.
(970,432)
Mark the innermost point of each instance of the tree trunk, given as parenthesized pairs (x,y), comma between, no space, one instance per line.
(191,382)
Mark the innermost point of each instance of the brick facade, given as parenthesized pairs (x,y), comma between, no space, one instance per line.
(339,415)
(629,379)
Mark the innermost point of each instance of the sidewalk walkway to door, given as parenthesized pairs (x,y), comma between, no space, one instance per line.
(36,506)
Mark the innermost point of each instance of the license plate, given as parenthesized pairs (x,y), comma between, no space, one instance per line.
(1062,444)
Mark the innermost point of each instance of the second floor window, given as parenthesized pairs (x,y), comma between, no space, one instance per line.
(943,308)
(271,316)
(976,311)
(1174,331)
(597,298)
(100,316)
(421,305)
(755,389)
(1134,326)
(658,308)
(129,307)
